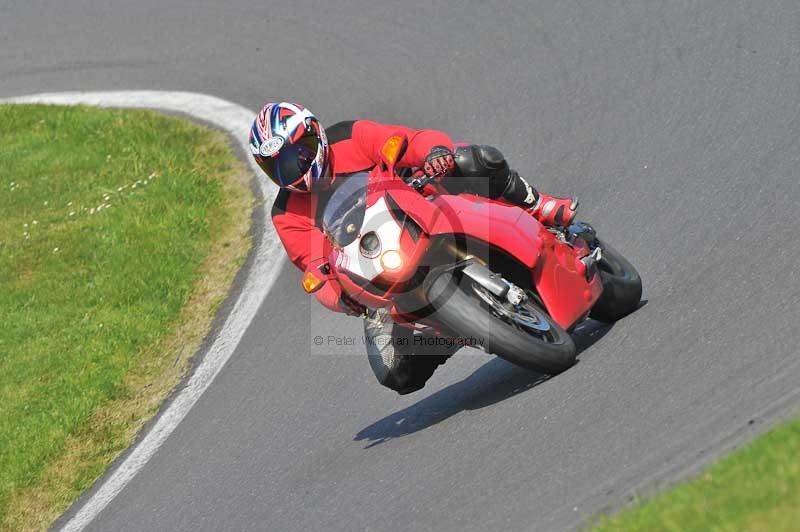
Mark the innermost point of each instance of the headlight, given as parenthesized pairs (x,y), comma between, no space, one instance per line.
(370,245)
(391,260)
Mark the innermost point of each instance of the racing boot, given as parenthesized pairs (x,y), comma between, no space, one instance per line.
(554,211)
(547,209)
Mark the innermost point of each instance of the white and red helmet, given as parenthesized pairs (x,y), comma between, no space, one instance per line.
(289,144)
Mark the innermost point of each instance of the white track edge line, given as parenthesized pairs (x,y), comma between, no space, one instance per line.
(268,259)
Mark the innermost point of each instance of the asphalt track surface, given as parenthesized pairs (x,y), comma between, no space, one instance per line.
(678,125)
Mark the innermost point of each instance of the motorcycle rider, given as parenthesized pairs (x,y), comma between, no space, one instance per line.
(304,160)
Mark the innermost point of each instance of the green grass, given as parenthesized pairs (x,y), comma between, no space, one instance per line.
(112,224)
(756,488)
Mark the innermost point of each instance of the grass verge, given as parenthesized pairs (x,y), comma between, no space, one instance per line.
(756,488)
(121,232)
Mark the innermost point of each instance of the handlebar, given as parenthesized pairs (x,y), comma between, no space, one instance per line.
(419,183)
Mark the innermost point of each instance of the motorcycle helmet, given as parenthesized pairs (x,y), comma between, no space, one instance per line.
(289,144)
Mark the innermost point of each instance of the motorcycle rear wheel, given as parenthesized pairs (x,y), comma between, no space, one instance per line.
(622,287)
(523,334)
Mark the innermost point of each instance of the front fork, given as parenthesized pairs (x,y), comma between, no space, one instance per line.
(477,270)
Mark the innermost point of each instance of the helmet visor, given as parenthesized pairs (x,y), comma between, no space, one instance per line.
(292,162)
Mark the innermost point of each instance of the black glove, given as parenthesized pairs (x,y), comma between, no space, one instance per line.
(439,162)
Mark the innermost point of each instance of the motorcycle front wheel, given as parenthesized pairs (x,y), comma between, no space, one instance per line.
(622,286)
(523,334)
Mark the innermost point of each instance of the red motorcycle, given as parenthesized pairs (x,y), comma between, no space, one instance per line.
(471,269)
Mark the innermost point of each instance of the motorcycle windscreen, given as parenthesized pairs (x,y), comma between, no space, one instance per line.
(344,212)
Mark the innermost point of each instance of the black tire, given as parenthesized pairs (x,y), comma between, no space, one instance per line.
(460,309)
(622,287)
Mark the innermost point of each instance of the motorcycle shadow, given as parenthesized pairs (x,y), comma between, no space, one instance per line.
(495,381)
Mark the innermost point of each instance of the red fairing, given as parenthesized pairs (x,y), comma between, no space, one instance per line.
(414,204)
(562,286)
(508,228)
